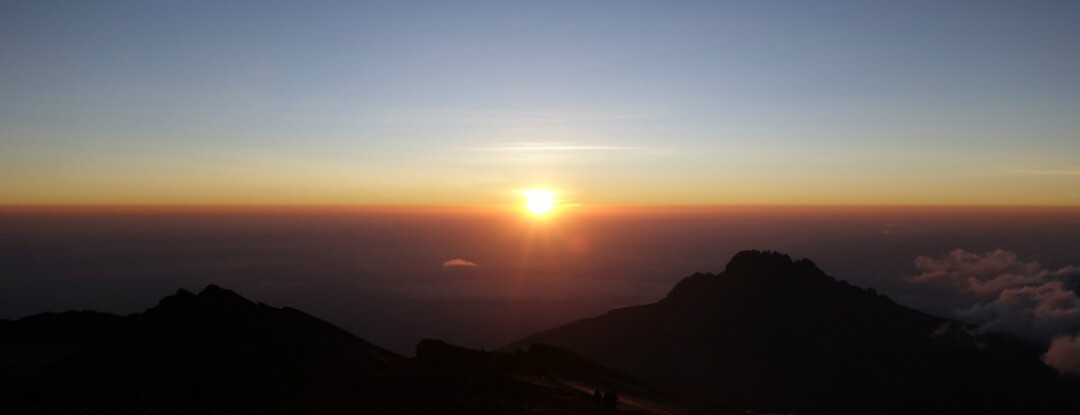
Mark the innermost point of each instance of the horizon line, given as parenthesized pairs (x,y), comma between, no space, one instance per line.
(406,206)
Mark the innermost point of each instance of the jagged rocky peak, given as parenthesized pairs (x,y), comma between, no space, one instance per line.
(211,296)
(767,262)
(760,269)
(213,292)
(182,298)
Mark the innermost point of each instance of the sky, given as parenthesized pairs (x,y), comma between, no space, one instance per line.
(621,102)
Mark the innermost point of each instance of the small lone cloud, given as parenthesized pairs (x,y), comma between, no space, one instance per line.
(458,262)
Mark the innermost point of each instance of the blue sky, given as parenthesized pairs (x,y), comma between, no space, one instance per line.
(608,102)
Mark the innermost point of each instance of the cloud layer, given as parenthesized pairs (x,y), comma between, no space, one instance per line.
(985,275)
(1014,296)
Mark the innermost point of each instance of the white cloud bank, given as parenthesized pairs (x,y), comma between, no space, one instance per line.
(1014,296)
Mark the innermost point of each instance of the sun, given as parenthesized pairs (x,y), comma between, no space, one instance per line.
(540,201)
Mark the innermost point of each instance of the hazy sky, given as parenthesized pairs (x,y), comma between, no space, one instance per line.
(383,273)
(937,102)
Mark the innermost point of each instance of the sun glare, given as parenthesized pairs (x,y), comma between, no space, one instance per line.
(539,201)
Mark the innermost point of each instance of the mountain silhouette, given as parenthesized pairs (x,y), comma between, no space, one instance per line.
(217,352)
(772,334)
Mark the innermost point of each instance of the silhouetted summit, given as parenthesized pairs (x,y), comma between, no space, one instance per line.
(767,262)
(760,270)
(774,334)
(212,295)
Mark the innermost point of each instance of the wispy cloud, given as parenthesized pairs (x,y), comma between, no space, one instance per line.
(560,153)
(1047,172)
(556,147)
(1021,171)
(501,116)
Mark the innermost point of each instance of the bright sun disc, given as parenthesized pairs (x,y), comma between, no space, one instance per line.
(539,201)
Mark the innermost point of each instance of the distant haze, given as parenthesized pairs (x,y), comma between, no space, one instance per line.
(483,277)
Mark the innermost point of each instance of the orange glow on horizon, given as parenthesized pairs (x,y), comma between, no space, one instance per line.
(566,212)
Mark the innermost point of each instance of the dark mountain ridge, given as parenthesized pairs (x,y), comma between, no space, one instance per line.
(214,351)
(217,352)
(766,334)
(772,334)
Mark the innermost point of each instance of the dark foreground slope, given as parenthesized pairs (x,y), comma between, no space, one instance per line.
(217,352)
(544,379)
(772,334)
